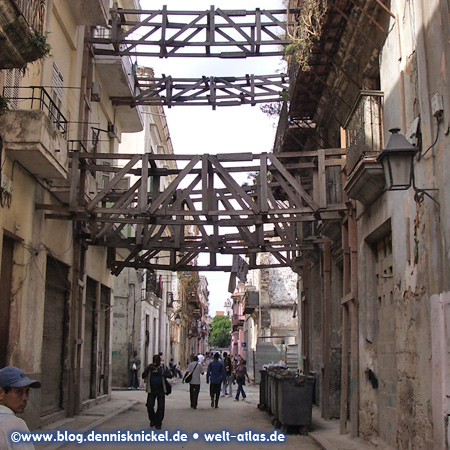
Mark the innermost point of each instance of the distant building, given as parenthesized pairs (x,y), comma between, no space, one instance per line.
(228,307)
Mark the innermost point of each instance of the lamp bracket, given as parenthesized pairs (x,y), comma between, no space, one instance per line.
(419,195)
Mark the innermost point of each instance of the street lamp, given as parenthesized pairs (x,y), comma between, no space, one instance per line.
(397,159)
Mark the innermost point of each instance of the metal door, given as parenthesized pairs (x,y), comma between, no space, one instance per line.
(89,344)
(103,339)
(56,289)
(5,298)
(386,342)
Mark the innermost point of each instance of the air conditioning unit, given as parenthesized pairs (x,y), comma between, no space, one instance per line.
(112,130)
(96,91)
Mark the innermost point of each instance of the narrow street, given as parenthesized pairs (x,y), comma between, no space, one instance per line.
(235,417)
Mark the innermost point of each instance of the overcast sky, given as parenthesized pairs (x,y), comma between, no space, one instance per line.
(199,129)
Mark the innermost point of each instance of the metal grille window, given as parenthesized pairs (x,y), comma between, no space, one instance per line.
(57,86)
(13,78)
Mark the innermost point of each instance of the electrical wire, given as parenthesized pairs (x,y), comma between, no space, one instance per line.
(434,143)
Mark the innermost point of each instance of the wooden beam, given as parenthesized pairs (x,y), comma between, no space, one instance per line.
(237,191)
(299,189)
(326,330)
(172,187)
(118,177)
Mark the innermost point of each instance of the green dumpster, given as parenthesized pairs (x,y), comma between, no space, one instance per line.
(295,396)
(263,390)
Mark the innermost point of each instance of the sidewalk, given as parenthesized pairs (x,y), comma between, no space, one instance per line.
(326,434)
(89,419)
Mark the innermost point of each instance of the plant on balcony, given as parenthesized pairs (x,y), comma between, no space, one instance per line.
(41,43)
(3,105)
(307,31)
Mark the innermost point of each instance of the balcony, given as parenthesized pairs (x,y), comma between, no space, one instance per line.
(20,20)
(365,178)
(250,301)
(366,182)
(193,300)
(31,138)
(363,128)
(90,12)
(118,76)
(154,288)
(237,320)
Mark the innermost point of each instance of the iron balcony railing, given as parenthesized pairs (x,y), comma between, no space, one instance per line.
(364,128)
(34,13)
(40,99)
(155,284)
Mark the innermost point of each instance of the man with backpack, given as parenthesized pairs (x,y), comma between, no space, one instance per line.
(154,376)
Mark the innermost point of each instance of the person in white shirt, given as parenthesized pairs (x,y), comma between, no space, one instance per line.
(200,358)
(14,391)
(196,369)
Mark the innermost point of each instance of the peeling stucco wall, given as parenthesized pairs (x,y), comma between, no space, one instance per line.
(396,336)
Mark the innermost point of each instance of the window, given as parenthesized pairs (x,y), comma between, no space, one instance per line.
(56,94)
(13,78)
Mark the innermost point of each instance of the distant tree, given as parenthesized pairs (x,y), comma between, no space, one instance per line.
(220,332)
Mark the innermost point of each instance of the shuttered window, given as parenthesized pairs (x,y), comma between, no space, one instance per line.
(13,79)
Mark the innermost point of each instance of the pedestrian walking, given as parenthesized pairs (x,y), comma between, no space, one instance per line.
(135,365)
(216,374)
(194,370)
(241,373)
(228,383)
(14,391)
(154,376)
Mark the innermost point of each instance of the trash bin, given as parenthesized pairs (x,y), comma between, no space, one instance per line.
(270,384)
(274,399)
(295,396)
(272,392)
(263,388)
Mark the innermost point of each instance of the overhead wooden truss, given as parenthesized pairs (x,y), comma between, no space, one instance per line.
(211,91)
(163,33)
(162,211)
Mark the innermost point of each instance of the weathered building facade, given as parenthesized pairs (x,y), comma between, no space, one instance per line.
(264,317)
(57,292)
(189,319)
(375,293)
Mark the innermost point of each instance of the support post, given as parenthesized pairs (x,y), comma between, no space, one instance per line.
(345,332)
(354,319)
(326,320)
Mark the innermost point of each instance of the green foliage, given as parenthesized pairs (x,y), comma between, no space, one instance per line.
(3,105)
(274,109)
(42,46)
(220,332)
(307,31)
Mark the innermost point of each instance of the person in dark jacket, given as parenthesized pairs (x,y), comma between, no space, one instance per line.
(216,373)
(154,376)
(135,365)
